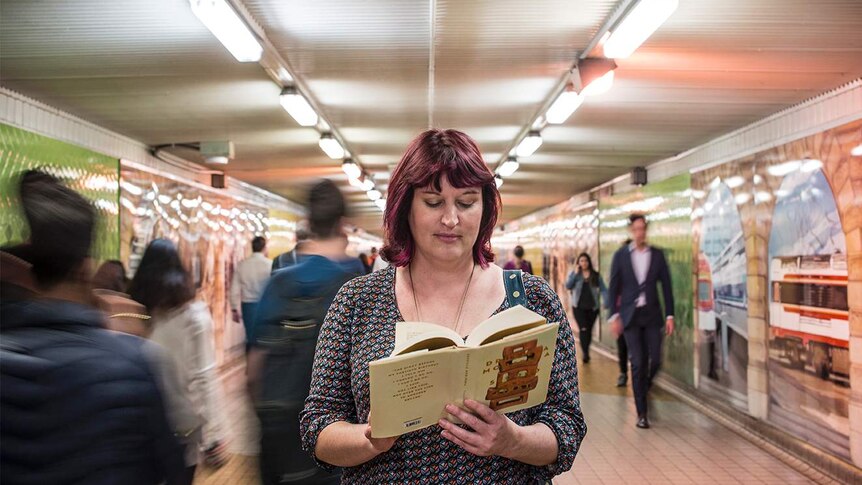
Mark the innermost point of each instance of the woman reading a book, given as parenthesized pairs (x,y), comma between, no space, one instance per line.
(440,214)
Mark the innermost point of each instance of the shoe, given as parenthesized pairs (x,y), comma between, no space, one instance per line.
(586,359)
(622,380)
(643,422)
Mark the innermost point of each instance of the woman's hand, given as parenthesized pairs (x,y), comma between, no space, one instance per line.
(492,434)
(379,445)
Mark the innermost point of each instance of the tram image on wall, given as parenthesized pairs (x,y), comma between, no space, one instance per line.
(809,388)
(809,315)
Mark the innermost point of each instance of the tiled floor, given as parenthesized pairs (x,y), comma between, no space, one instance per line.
(682,447)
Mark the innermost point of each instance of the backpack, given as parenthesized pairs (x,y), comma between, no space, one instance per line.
(285,383)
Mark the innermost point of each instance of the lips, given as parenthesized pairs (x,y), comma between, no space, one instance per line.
(447,237)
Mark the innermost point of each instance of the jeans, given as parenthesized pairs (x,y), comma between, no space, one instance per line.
(585,319)
(249,311)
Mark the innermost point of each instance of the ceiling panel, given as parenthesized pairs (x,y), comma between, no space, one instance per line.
(150,70)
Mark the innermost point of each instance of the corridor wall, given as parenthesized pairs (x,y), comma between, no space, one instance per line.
(766,258)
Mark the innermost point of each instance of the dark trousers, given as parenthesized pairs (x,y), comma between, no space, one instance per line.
(644,335)
(623,354)
(585,319)
(249,311)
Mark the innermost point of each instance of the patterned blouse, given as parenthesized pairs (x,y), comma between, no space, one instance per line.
(360,328)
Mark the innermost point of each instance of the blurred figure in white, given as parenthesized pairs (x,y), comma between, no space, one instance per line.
(184,327)
(249,279)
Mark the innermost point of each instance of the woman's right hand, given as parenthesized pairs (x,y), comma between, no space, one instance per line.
(380,445)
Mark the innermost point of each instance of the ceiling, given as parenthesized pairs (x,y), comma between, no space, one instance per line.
(383,71)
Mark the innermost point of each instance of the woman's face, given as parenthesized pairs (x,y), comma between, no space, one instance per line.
(445,224)
(583,263)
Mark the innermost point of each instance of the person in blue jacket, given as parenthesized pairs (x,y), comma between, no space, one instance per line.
(586,285)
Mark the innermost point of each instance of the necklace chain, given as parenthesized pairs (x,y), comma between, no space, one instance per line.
(460,306)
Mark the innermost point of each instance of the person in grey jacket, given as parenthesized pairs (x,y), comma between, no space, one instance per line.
(586,285)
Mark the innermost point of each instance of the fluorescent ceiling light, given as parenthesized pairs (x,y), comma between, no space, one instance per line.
(351,169)
(355,182)
(785,168)
(599,86)
(297,106)
(735,181)
(529,144)
(498,181)
(374,195)
(811,165)
(565,104)
(366,183)
(857,150)
(508,167)
(228,28)
(330,146)
(640,23)
(380,203)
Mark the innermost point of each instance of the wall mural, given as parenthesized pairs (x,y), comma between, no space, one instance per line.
(667,205)
(721,296)
(809,355)
(212,231)
(92,174)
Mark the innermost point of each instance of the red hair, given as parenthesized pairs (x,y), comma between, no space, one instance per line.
(429,157)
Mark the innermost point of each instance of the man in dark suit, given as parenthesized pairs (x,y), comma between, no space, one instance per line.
(636,311)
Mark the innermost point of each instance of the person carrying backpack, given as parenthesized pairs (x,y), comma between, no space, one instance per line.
(290,314)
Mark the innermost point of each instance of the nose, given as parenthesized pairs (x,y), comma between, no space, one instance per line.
(450,217)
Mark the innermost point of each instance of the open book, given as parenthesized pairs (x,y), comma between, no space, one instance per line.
(505,363)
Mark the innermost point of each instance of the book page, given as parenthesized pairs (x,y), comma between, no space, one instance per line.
(412,336)
(507,322)
(409,392)
(513,373)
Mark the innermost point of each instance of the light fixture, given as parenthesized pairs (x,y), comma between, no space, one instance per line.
(297,106)
(529,144)
(641,21)
(351,169)
(785,168)
(811,165)
(600,86)
(856,151)
(330,146)
(355,182)
(381,204)
(374,194)
(593,75)
(498,181)
(508,167)
(366,183)
(565,104)
(228,28)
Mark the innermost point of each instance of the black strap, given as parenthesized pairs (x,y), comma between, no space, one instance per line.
(513,280)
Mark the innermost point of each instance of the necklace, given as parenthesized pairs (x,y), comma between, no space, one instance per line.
(460,307)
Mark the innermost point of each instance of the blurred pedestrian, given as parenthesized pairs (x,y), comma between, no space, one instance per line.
(293,256)
(80,404)
(249,279)
(519,262)
(366,262)
(586,285)
(288,322)
(636,271)
(184,327)
(111,275)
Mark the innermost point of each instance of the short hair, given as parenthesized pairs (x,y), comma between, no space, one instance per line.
(161,281)
(326,208)
(637,217)
(373,250)
(61,226)
(258,243)
(518,252)
(429,157)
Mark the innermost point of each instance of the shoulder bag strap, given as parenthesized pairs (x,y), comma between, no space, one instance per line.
(513,280)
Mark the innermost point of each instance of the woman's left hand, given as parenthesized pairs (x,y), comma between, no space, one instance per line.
(492,434)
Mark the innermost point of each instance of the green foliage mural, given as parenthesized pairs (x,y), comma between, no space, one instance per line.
(92,174)
(667,205)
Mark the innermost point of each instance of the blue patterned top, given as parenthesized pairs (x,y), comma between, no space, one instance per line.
(360,328)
